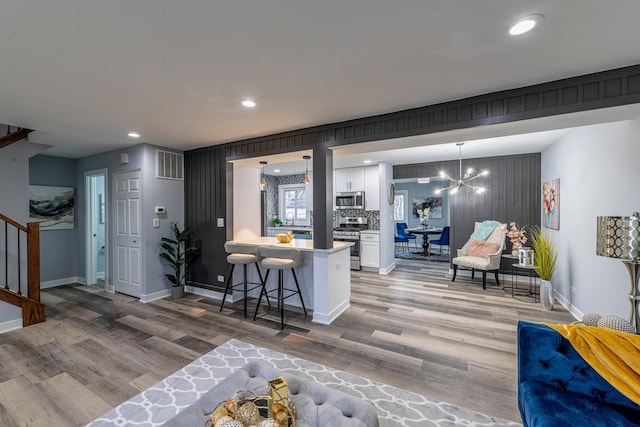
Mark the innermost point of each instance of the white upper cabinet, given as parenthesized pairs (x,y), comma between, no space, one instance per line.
(349,180)
(371,188)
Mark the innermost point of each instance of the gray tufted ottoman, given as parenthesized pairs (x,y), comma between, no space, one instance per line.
(316,405)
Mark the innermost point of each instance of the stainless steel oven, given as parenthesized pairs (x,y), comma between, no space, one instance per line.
(349,231)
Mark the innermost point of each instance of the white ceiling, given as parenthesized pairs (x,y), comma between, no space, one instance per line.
(84,73)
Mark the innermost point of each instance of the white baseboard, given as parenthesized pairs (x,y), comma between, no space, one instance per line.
(11,325)
(326,319)
(577,314)
(64,281)
(155,296)
(387,270)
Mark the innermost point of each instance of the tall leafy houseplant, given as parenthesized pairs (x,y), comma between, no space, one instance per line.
(177,254)
(546,258)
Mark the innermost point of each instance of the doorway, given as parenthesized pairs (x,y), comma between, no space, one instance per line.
(96,228)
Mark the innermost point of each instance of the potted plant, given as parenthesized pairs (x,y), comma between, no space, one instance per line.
(546,256)
(178,256)
(277,222)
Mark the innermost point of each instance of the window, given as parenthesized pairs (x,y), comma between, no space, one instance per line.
(293,204)
(400,206)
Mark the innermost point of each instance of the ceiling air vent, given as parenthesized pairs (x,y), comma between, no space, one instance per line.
(169,165)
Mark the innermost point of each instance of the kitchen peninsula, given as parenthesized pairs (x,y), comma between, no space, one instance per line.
(324,276)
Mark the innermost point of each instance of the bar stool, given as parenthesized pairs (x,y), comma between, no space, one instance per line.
(280,259)
(242,254)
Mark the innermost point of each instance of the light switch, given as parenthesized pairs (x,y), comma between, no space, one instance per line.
(156,222)
(220,222)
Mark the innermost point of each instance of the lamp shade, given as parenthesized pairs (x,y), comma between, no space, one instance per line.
(618,236)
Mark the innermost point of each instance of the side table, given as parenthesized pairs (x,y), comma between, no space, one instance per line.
(532,292)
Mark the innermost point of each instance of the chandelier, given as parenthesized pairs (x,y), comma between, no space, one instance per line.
(463,181)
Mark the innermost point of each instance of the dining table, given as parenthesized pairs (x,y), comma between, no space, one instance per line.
(425,232)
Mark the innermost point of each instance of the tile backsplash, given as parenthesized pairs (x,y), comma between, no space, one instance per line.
(373,217)
(272,202)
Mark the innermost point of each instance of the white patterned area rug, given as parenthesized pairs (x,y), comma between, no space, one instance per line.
(395,407)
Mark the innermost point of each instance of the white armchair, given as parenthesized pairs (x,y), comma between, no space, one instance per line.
(482,255)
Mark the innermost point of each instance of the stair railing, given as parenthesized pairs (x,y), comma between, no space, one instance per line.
(14,236)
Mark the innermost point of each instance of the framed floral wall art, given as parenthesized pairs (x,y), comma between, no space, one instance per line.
(433,203)
(551,204)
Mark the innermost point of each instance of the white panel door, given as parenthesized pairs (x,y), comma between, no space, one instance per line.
(128,233)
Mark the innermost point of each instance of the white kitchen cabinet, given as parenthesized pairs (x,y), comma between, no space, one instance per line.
(349,179)
(370,249)
(371,188)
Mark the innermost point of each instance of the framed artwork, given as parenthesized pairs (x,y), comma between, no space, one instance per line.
(551,204)
(434,203)
(52,207)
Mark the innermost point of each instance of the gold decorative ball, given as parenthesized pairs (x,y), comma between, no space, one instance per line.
(223,420)
(269,422)
(281,417)
(231,405)
(218,413)
(278,407)
(248,414)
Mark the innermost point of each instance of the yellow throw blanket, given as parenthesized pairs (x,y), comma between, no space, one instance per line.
(613,354)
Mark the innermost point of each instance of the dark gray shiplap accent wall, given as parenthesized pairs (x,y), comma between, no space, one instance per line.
(206,200)
(598,90)
(208,197)
(513,193)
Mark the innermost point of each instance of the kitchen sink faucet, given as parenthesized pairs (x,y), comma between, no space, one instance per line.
(290,221)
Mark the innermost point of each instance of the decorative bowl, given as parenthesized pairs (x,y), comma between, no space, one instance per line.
(284,238)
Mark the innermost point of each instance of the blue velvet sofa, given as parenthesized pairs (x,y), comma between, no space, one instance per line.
(556,387)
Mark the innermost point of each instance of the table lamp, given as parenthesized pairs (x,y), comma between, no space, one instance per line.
(619,237)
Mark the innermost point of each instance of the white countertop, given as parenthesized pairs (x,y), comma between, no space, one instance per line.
(305,245)
(291,227)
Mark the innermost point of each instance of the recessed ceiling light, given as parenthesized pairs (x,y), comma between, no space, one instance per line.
(366,162)
(526,24)
(276,170)
(249,103)
(133,135)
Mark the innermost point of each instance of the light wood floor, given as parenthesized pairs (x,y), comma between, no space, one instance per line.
(413,329)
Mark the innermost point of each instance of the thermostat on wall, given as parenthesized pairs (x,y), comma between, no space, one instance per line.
(160,210)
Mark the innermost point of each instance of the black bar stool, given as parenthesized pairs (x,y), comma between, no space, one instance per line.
(243,254)
(274,258)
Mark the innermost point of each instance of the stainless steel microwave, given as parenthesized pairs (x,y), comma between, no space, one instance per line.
(350,200)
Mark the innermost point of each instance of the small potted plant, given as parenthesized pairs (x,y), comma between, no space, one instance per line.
(546,255)
(178,256)
(277,222)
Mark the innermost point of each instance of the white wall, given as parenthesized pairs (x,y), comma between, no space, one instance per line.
(246,202)
(387,226)
(598,170)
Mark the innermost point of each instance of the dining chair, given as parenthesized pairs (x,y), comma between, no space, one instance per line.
(403,241)
(443,240)
(401,230)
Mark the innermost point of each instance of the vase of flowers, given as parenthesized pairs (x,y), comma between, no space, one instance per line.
(517,236)
(423,216)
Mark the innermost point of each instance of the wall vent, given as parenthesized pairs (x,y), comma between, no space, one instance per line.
(169,165)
